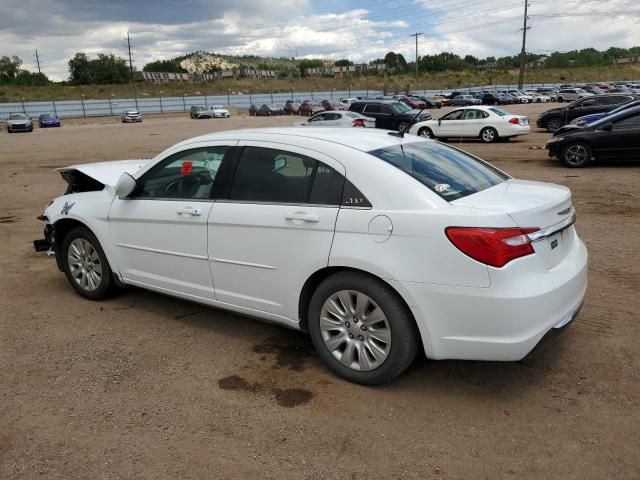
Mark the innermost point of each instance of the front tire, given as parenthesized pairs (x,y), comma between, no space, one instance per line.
(86,265)
(489,135)
(554,124)
(576,155)
(425,132)
(361,329)
(402,126)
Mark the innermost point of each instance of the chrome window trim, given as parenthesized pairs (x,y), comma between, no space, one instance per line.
(553,229)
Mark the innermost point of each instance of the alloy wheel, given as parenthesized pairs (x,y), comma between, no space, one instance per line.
(488,135)
(355,330)
(576,155)
(84,264)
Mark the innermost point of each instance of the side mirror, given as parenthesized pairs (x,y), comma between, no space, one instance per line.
(125,186)
(608,127)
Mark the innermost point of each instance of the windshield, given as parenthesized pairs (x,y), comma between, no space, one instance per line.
(448,172)
(400,107)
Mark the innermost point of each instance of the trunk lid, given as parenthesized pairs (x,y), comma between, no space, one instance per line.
(531,205)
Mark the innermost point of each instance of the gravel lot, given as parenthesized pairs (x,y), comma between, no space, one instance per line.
(146,386)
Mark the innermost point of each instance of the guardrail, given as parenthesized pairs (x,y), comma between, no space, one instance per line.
(115,106)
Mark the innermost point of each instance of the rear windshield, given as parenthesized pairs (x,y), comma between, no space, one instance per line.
(499,111)
(445,171)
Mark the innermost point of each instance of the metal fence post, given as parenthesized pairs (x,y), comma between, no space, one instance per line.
(205,102)
(84,111)
(136,100)
(24,110)
(184,102)
(55,111)
(228,100)
(271,93)
(160,98)
(111,105)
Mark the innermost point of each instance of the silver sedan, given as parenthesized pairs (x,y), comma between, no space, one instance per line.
(338,118)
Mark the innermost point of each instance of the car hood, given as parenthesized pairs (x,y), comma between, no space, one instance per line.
(553,110)
(108,173)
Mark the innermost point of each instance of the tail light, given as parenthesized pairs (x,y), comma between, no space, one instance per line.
(358,122)
(492,246)
(514,120)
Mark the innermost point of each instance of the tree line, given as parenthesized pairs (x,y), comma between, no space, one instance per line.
(11,73)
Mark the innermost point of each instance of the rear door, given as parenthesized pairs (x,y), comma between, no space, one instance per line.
(274,225)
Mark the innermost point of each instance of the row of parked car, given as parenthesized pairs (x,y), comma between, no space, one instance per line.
(20,122)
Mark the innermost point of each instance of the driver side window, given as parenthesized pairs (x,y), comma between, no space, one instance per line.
(185,175)
(455,115)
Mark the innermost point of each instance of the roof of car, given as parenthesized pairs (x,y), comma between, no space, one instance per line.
(361,139)
(376,100)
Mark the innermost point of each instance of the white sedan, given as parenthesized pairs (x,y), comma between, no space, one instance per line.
(484,122)
(219,111)
(375,243)
(338,118)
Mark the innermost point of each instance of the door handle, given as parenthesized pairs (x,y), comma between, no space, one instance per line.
(194,212)
(303,217)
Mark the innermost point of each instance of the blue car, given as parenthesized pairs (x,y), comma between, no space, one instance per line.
(588,119)
(48,120)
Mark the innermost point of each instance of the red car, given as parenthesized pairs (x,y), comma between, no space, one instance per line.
(310,108)
(411,102)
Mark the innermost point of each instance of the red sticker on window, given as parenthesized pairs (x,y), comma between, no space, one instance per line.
(187,168)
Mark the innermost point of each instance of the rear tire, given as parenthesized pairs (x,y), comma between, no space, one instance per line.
(86,265)
(576,155)
(489,135)
(361,329)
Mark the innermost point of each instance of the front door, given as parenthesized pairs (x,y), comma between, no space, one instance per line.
(159,233)
(451,125)
(274,227)
(622,142)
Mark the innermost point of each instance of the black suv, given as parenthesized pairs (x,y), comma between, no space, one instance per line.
(555,118)
(389,114)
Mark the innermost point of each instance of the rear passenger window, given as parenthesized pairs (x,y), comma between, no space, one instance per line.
(271,175)
(357,107)
(373,108)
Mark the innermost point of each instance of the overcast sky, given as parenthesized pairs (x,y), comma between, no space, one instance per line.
(357,29)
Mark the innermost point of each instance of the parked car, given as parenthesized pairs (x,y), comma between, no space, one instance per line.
(197,112)
(539,97)
(310,108)
(442,99)
(329,105)
(19,122)
(587,119)
(131,116)
(521,96)
(464,100)
(572,94)
(411,102)
(292,107)
(552,93)
(614,137)
(338,118)
(273,109)
(334,232)
(389,114)
(489,124)
(506,99)
(346,102)
(593,89)
(553,119)
(48,120)
(220,111)
(429,101)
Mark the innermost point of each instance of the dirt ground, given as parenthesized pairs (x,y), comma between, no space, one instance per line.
(146,386)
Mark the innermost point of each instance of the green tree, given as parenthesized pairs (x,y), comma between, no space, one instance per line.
(344,62)
(309,63)
(102,70)
(164,66)
(9,67)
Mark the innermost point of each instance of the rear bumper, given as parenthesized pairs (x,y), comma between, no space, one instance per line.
(505,321)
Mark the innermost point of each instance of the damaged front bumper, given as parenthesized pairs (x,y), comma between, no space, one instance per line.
(48,243)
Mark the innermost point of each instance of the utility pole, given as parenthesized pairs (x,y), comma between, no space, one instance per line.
(130,61)
(38,62)
(417,34)
(523,53)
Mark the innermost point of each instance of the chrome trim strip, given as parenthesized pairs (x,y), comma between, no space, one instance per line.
(553,229)
(244,264)
(165,252)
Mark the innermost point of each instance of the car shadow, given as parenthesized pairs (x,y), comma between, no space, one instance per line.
(427,377)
